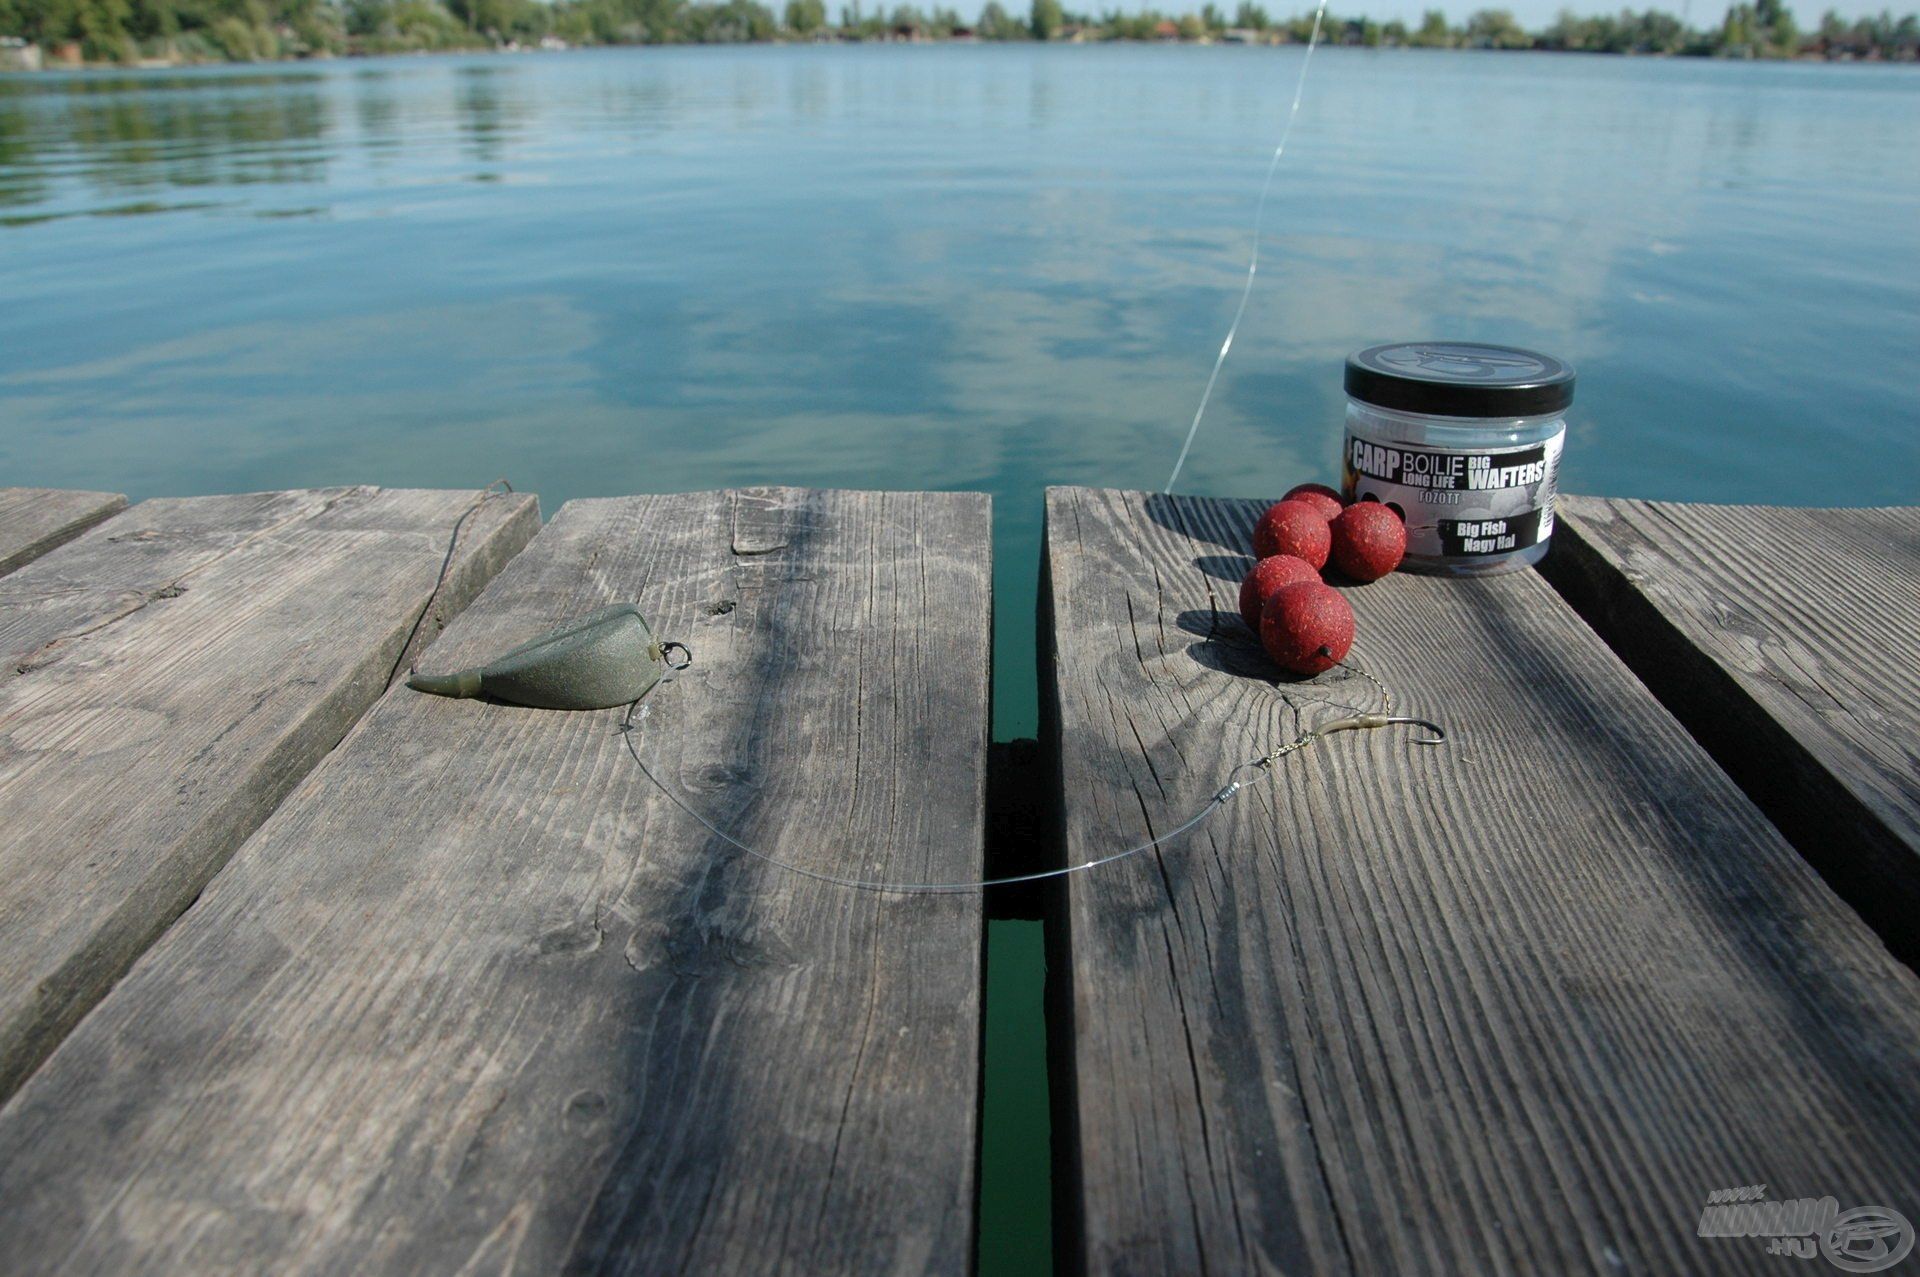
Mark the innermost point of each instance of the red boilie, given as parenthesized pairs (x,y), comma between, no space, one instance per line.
(1293,527)
(1305,625)
(1268,575)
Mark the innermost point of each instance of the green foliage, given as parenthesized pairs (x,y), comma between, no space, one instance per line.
(408,26)
(1777,30)
(1116,25)
(1434,33)
(734,22)
(1496,29)
(1765,29)
(804,17)
(997,24)
(1869,37)
(1737,31)
(1629,32)
(238,40)
(501,20)
(1045,19)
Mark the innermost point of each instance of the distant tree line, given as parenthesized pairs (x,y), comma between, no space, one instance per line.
(129,31)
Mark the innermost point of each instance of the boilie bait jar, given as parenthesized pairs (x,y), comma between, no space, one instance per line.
(1463,440)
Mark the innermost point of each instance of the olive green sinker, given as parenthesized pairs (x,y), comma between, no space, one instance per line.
(609,658)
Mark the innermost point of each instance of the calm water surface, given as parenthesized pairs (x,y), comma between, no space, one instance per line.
(989,268)
(950,267)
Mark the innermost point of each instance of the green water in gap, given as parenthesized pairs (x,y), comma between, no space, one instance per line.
(1016,1213)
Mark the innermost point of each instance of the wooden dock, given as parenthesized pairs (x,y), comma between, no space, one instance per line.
(166,678)
(301,971)
(1788,643)
(35,520)
(478,999)
(1518,1003)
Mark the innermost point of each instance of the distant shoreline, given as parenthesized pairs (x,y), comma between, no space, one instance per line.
(107,68)
(290,60)
(70,35)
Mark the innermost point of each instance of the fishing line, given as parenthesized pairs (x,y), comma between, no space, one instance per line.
(1253,259)
(1237,779)
(498,488)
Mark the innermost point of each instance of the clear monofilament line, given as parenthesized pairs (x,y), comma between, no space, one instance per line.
(629,729)
(485,495)
(1220,798)
(1253,258)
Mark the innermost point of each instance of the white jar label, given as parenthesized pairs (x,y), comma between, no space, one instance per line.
(1459,503)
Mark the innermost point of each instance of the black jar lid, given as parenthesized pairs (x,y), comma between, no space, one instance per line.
(1460,379)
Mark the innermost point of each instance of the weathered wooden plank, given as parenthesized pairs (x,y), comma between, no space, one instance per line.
(1513,1004)
(478,998)
(35,520)
(1788,642)
(167,678)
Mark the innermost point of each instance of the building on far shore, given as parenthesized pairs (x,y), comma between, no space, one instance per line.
(17,55)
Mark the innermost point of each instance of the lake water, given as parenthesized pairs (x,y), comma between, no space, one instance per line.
(951,267)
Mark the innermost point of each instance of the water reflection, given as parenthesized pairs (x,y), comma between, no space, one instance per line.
(177,140)
(97,138)
(486,116)
(377,113)
(137,208)
(192,80)
(810,97)
(21,181)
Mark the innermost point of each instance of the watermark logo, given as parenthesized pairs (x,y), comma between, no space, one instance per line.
(1866,1239)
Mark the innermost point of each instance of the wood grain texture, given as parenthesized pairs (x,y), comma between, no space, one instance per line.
(1511,1005)
(165,679)
(1788,642)
(35,520)
(479,999)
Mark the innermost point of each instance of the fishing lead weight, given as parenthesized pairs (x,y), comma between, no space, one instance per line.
(606,659)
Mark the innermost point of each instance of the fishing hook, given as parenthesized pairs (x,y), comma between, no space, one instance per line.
(1367,722)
